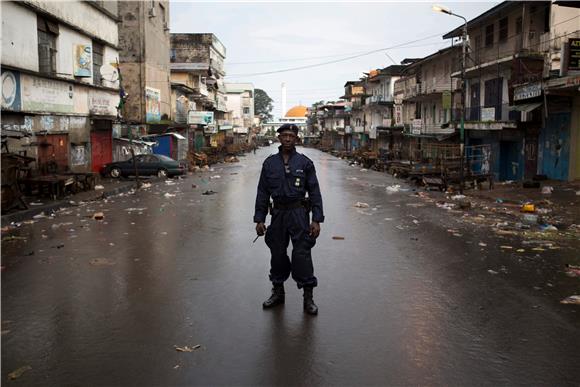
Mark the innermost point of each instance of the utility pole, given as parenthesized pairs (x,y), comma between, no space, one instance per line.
(462,159)
(120,114)
(462,123)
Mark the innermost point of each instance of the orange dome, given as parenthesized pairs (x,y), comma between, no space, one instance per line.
(297,111)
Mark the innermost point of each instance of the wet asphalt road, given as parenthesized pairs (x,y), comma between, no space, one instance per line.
(402,302)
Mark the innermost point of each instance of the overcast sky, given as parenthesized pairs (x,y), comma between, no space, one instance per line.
(282,35)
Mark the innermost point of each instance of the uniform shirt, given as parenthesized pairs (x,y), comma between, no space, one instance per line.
(289,187)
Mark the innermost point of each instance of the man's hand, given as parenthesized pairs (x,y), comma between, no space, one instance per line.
(314,229)
(260,228)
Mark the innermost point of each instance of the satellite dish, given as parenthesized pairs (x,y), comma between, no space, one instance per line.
(109,73)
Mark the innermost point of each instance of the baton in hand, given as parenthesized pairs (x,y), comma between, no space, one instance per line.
(255,239)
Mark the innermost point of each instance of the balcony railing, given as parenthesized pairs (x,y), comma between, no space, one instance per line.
(373,99)
(438,86)
(499,112)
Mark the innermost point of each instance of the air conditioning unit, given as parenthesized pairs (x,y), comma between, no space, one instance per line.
(152,12)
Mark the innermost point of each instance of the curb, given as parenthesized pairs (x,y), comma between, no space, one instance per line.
(31,212)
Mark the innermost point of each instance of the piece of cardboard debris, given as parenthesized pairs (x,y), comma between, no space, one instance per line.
(18,372)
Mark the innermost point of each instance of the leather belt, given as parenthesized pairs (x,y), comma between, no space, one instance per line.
(289,206)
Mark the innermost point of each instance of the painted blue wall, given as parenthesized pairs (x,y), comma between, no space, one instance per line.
(485,139)
(163,146)
(554,147)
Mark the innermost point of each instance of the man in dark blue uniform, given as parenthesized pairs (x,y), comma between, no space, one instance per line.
(286,177)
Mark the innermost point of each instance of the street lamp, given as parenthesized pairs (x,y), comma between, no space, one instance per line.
(438,8)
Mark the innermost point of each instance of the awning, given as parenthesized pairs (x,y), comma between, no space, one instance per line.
(528,107)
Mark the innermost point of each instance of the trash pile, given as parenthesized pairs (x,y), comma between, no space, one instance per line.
(538,219)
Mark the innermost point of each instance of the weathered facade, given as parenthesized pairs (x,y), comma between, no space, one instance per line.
(60,86)
(240,103)
(197,62)
(144,61)
(378,108)
(515,53)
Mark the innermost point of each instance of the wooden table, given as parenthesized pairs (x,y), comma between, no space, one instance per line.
(55,186)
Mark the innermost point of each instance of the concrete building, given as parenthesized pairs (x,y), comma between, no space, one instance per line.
(144,62)
(197,62)
(240,103)
(332,119)
(515,48)
(60,89)
(378,108)
(354,131)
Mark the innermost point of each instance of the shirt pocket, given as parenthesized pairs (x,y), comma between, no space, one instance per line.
(298,181)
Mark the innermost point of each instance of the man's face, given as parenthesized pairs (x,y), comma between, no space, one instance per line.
(287,139)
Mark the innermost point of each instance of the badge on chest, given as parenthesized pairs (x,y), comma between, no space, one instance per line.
(297,182)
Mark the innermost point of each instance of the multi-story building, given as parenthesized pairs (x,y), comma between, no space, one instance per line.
(60,88)
(240,103)
(378,109)
(333,118)
(144,64)
(509,48)
(354,94)
(197,62)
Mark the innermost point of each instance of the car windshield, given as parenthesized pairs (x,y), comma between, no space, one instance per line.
(164,158)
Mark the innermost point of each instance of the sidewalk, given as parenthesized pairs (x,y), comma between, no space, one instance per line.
(110,187)
(560,207)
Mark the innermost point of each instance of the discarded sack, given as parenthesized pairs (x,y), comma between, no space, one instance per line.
(361,205)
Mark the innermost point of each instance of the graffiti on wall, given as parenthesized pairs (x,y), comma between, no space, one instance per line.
(79,155)
(47,123)
(25,128)
(77,122)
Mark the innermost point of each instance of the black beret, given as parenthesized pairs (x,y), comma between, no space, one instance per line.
(287,127)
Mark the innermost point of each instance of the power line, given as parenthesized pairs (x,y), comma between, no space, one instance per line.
(312,57)
(334,61)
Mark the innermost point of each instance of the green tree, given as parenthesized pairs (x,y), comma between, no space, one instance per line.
(263,104)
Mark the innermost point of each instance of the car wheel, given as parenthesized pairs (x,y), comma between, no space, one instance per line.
(162,173)
(115,172)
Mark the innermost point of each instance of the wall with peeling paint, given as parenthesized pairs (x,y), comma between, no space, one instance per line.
(83,15)
(144,43)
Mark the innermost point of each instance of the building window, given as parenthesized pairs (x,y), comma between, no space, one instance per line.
(172,55)
(547,18)
(163,17)
(489,36)
(97,63)
(246,110)
(503,29)
(47,35)
(519,25)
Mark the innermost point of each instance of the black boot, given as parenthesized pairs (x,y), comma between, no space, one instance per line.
(277,297)
(309,305)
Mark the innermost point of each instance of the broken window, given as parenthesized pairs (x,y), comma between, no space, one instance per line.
(47,35)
